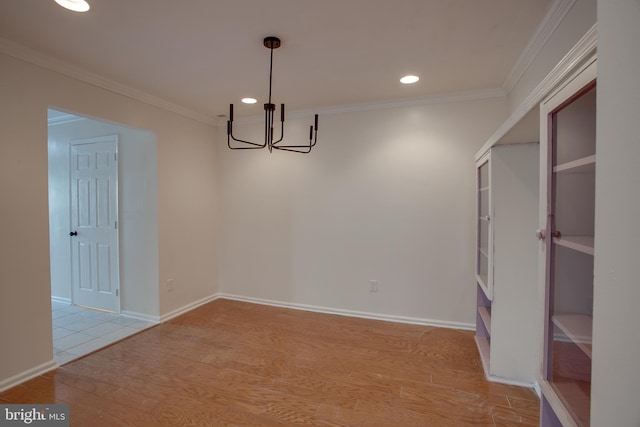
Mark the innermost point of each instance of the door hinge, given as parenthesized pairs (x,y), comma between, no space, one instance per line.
(115,157)
(116,224)
(117,292)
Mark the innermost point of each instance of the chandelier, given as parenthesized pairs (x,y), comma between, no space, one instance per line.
(269,112)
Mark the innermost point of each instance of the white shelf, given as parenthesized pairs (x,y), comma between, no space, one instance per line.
(583,165)
(578,328)
(486,318)
(583,244)
(483,280)
(565,413)
(483,189)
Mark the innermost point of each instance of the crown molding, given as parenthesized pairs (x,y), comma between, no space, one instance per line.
(24,53)
(381,105)
(577,59)
(549,24)
(64,119)
(444,98)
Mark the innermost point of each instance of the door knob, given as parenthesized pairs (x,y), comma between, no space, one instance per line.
(73,233)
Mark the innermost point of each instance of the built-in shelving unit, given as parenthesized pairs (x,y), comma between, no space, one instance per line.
(568,123)
(507,204)
(483,328)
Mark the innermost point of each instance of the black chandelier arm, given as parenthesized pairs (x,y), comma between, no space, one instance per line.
(230,137)
(306,151)
(313,139)
(268,124)
(314,128)
(253,146)
(311,144)
(299,148)
(274,143)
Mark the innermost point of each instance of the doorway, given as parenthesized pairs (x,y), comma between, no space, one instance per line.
(128,260)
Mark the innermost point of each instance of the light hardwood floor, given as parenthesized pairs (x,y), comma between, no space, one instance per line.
(231,363)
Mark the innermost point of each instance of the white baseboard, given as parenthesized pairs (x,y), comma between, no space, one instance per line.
(501,380)
(27,375)
(170,315)
(353,313)
(538,390)
(140,316)
(177,312)
(61,300)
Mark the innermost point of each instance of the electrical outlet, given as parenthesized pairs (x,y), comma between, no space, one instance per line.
(373,286)
(169,285)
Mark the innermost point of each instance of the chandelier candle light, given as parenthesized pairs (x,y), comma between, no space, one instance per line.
(269,111)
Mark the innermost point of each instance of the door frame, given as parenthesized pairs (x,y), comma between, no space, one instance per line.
(138,209)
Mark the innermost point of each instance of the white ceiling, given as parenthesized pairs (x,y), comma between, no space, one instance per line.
(204,54)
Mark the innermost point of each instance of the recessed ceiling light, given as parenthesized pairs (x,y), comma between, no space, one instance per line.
(75,5)
(409,79)
(249,100)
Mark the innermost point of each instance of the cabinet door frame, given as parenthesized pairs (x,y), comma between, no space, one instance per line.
(488,286)
(581,81)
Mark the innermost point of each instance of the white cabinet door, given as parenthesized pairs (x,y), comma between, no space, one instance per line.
(568,136)
(484,240)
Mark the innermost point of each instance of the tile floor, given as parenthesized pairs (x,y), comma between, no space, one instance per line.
(78,331)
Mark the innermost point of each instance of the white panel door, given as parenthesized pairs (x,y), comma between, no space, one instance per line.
(94,223)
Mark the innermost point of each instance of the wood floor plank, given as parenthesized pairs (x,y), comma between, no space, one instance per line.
(233,363)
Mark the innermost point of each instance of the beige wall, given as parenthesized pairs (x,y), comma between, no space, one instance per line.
(386,195)
(186,203)
(616,340)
